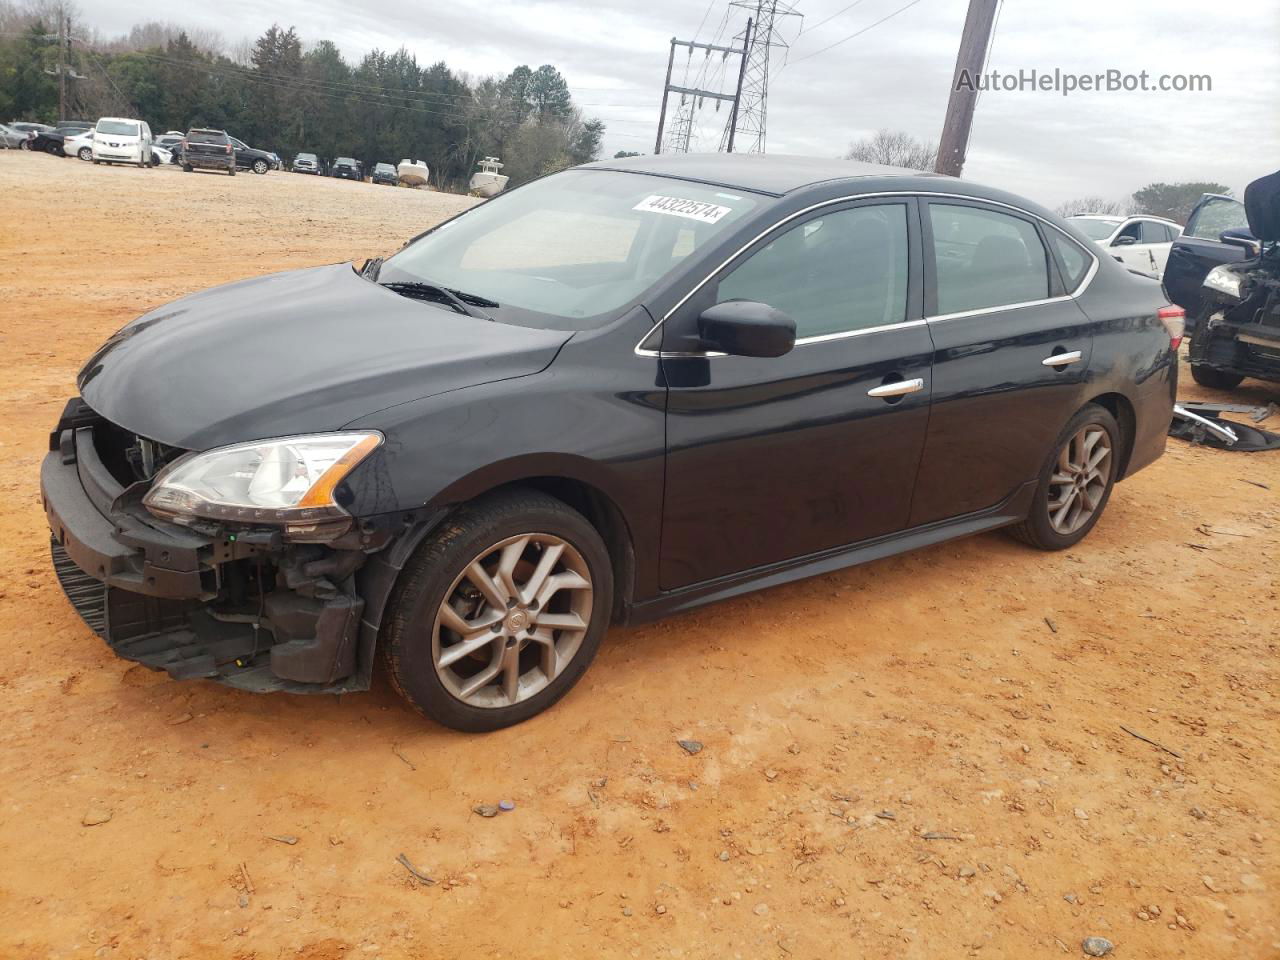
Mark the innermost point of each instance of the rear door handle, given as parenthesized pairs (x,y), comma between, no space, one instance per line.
(1061,359)
(898,388)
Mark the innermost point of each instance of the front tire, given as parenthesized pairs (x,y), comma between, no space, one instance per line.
(499,612)
(1076,483)
(1215,379)
(260,167)
(85,153)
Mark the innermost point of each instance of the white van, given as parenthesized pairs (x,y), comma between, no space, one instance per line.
(121,140)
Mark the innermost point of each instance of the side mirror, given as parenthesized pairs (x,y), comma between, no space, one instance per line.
(1124,241)
(1239,237)
(745,328)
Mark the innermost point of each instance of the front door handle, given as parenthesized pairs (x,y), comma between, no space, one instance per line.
(897,388)
(1061,359)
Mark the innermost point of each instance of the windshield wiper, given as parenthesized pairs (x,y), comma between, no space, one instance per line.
(432,291)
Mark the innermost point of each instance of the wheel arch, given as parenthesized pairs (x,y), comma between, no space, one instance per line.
(1121,407)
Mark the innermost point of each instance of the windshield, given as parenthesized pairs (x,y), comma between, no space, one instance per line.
(1215,215)
(567,251)
(1093,228)
(385,168)
(305,156)
(118,128)
(344,162)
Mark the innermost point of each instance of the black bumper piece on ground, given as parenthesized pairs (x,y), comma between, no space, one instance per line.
(159,593)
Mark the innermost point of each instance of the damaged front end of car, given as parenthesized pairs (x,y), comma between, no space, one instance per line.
(1238,332)
(238,564)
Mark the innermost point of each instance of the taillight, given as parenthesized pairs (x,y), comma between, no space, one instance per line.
(228,148)
(182,145)
(1174,320)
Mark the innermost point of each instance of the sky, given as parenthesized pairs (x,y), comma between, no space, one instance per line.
(831,87)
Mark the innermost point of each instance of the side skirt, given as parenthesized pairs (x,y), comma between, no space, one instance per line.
(1013,509)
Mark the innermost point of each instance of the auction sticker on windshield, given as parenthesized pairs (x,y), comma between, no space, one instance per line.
(678,207)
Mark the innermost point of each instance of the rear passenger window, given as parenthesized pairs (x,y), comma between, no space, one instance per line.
(1153,232)
(843,271)
(1075,262)
(985,259)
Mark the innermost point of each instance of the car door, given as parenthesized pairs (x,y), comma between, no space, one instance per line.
(1126,246)
(771,459)
(1200,249)
(1011,350)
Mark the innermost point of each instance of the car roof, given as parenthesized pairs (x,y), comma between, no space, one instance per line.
(771,173)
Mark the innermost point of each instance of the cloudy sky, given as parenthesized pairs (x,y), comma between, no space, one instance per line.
(895,74)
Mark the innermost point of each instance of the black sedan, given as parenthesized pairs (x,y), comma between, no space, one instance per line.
(619,392)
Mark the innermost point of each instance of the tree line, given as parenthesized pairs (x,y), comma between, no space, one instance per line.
(277,94)
(897,148)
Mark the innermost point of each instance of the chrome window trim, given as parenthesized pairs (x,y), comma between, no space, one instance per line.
(1080,288)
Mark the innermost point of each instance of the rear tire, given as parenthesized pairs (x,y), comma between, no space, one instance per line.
(85,153)
(516,532)
(187,168)
(1215,379)
(1059,518)
(232,171)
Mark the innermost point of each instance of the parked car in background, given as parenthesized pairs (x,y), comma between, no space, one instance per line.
(47,141)
(1141,243)
(346,168)
(70,128)
(161,155)
(80,145)
(306,163)
(11,138)
(1217,232)
(385,173)
(122,140)
(276,162)
(29,126)
(1237,331)
(247,158)
(208,149)
(480,475)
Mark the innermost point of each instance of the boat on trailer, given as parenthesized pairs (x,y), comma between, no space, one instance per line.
(412,173)
(487,181)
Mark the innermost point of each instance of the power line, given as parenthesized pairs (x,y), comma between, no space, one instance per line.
(828,19)
(858,33)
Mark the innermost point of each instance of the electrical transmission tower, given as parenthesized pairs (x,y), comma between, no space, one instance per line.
(747,123)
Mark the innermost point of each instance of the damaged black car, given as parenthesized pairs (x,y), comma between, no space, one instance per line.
(1237,330)
(612,394)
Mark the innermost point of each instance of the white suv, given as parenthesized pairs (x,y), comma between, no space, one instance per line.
(122,140)
(1141,243)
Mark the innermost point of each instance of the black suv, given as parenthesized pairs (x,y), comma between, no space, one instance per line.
(208,150)
(1237,328)
(1217,232)
(347,168)
(384,173)
(476,454)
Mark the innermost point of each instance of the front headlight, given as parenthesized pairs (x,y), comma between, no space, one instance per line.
(289,482)
(1224,280)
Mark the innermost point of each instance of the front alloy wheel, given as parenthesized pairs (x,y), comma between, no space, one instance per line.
(512,620)
(499,611)
(259,167)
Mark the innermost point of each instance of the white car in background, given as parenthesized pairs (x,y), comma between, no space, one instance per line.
(160,155)
(81,145)
(122,140)
(1141,243)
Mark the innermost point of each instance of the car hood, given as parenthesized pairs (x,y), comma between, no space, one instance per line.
(291,353)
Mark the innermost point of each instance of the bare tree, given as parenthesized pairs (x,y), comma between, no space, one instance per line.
(1107,208)
(894,148)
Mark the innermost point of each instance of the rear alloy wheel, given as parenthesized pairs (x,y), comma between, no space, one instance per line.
(260,167)
(85,153)
(498,614)
(1076,483)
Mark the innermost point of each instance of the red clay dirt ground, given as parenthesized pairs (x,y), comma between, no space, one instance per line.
(975,690)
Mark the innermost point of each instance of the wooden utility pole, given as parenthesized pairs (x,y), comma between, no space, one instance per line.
(737,96)
(974,42)
(666,89)
(64,46)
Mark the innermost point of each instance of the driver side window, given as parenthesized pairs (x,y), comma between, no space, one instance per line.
(842,271)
